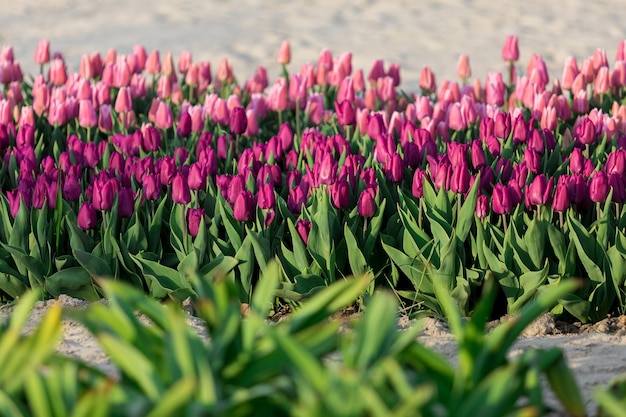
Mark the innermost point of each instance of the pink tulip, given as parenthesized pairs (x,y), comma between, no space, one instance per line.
(510,50)
(284,53)
(501,199)
(163,117)
(463,68)
(42,52)
(427,80)
(87,114)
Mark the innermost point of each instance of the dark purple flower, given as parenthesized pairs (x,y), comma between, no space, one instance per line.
(366,206)
(125,202)
(304,228)
(501,199)
(599,187)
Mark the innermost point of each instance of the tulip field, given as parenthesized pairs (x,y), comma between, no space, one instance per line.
(311,190)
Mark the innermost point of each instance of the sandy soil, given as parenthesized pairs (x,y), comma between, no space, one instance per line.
(249,32)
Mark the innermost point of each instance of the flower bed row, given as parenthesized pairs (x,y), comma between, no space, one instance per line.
(140,169)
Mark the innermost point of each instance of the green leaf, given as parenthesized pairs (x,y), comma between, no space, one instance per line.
(163,280)
(468,210)
(264,292)
(358,264)
(232,226)
(75,281)
(95,266)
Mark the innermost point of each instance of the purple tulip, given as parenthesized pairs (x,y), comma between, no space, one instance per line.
(502,125)
(616,162)
(340,194)
(297,197)
(501,199)
(151,187)
(238,121)
(244,206)
(151,138)
(417,187)
(236,185)
(538,191)
(327,170)
(561,200)
(345,113)
(617,183)
(71,188)
(194,218)
(125,202)
(366,206)
(183,128)
(14,197)
(482,206)
(520,130)
(478,154)
(578,191)
(585,132)
(197,177)
(265,196)
(599,187)
(25,137)
(576,161)
(460,179)
(395,168)
(532,159)
(180,190)
(87,216)
(304,228)
(104,193)
(167,170)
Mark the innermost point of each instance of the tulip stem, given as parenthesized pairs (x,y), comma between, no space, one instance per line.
(365,223)
(297,117)
(598,211)
(504,225)
(421,212)
(561,219)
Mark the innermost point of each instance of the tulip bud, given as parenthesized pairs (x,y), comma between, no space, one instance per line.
(599,187)
(366,205)
(42,52)
(427,80)
(265,196)
(417,188)
(304,228)
(243,207)
(510,50)
(395,168)
(538,191)
(340,194)
(463,68)
(194,218)
(104,193)
(501,199)
(284,53)
(616,182)
(125,202)
(180,190)
(561,200)
(345,113)
(482,206)
(87,217)
(460,180)
(585,132)
(238,121)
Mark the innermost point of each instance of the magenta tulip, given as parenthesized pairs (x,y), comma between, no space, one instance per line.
(265,196)
(599,187)
(87,216)
(501,199)
(238,121)
(561,200)
(510,50)
(303,227)
(366,206)
(180,190)
(125,202)
(243,208)
(194,219)
(482,206)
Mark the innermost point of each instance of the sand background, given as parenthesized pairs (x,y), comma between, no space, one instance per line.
(248,32)
(411,33)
